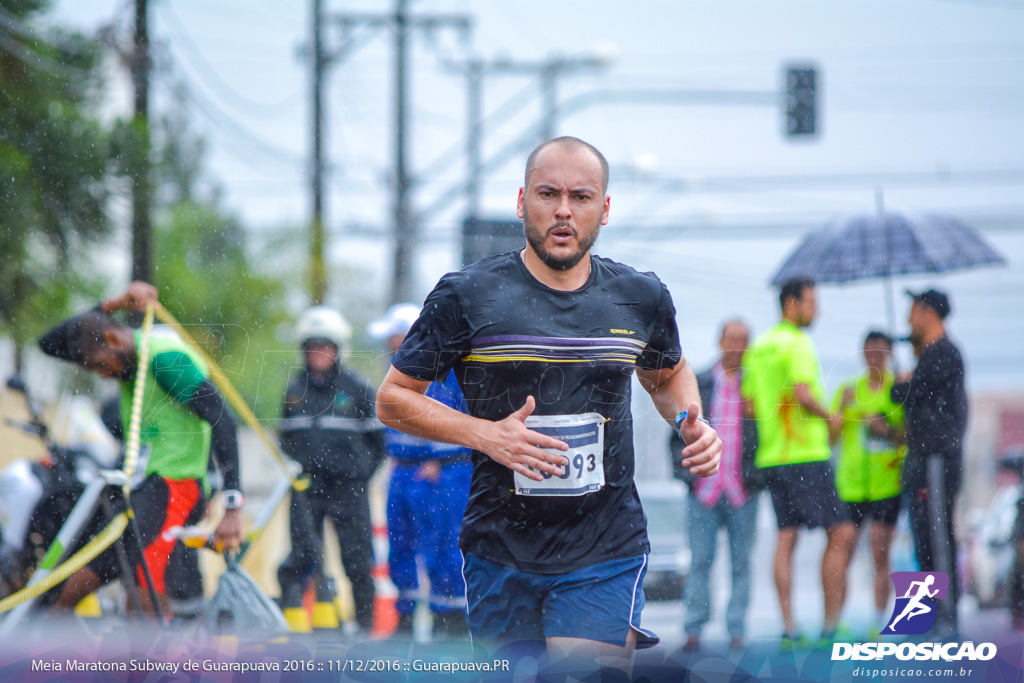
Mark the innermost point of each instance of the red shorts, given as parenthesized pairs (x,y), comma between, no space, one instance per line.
(159,504)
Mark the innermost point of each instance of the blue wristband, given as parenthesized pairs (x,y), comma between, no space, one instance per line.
(682,416)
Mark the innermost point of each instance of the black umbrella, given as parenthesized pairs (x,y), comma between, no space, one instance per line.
(884,244)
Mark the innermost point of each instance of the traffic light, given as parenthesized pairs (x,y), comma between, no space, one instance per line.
(801,101)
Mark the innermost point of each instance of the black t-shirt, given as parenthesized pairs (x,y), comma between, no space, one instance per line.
(508,336)
(935,402)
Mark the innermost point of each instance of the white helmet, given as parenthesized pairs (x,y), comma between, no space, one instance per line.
(323,322)
(397,320)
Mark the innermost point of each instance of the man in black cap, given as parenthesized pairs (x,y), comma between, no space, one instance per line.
(935,404)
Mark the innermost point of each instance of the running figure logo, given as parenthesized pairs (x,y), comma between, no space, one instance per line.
(917,594)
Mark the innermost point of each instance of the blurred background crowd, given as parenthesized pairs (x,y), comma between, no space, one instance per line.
(253,159)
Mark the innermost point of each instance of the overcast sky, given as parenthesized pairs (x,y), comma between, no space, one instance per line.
(917,98)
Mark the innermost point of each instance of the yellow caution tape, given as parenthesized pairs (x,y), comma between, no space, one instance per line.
(233,397)
(118,524)
(132,443)
(299,483)
(89,551)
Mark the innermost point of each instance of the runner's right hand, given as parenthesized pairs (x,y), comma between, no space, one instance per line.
(511,444)
(135,298)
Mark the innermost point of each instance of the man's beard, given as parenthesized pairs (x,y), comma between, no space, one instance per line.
(536,237)
(129,364)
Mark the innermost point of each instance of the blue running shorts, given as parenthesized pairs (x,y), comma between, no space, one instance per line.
(600,602)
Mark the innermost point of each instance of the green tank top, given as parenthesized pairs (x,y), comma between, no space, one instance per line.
(177,439)
(869,468)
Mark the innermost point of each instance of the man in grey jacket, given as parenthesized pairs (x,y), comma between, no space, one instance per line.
(729,499)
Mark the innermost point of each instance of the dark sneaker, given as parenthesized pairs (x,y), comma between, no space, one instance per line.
(795,641)
(840,634)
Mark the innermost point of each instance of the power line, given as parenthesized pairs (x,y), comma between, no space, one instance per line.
(504,111)
(874,54)
(986,4)
(769,183)
(231,125)
(219,85)
(725,228)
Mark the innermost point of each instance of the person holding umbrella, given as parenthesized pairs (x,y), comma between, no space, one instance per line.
(935,402)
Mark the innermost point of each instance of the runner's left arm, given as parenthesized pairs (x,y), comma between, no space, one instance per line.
(668,378)
(674,390)
(209,405)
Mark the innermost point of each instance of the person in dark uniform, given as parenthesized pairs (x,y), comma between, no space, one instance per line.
(934,399)
(329,428)
(544,342)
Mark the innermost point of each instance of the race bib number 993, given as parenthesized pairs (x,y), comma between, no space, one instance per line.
(584,434)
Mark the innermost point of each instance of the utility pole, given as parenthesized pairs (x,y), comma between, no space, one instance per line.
(549,94)
(474,135)
(473,69)
(405,228)
(142,198)
(318,273)
(402,25)
(549,71)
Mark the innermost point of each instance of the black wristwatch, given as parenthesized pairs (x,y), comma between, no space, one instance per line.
(233,499)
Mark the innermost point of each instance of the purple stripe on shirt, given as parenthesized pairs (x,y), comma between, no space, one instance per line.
(555,341)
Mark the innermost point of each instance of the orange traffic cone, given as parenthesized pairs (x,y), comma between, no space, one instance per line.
(385,616)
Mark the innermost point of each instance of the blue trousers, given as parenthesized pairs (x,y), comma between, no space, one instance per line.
(740,526)
(424,519)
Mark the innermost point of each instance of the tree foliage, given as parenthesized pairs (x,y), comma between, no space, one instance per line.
(208,276)
(209,282)
(53,165)
(58,167)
